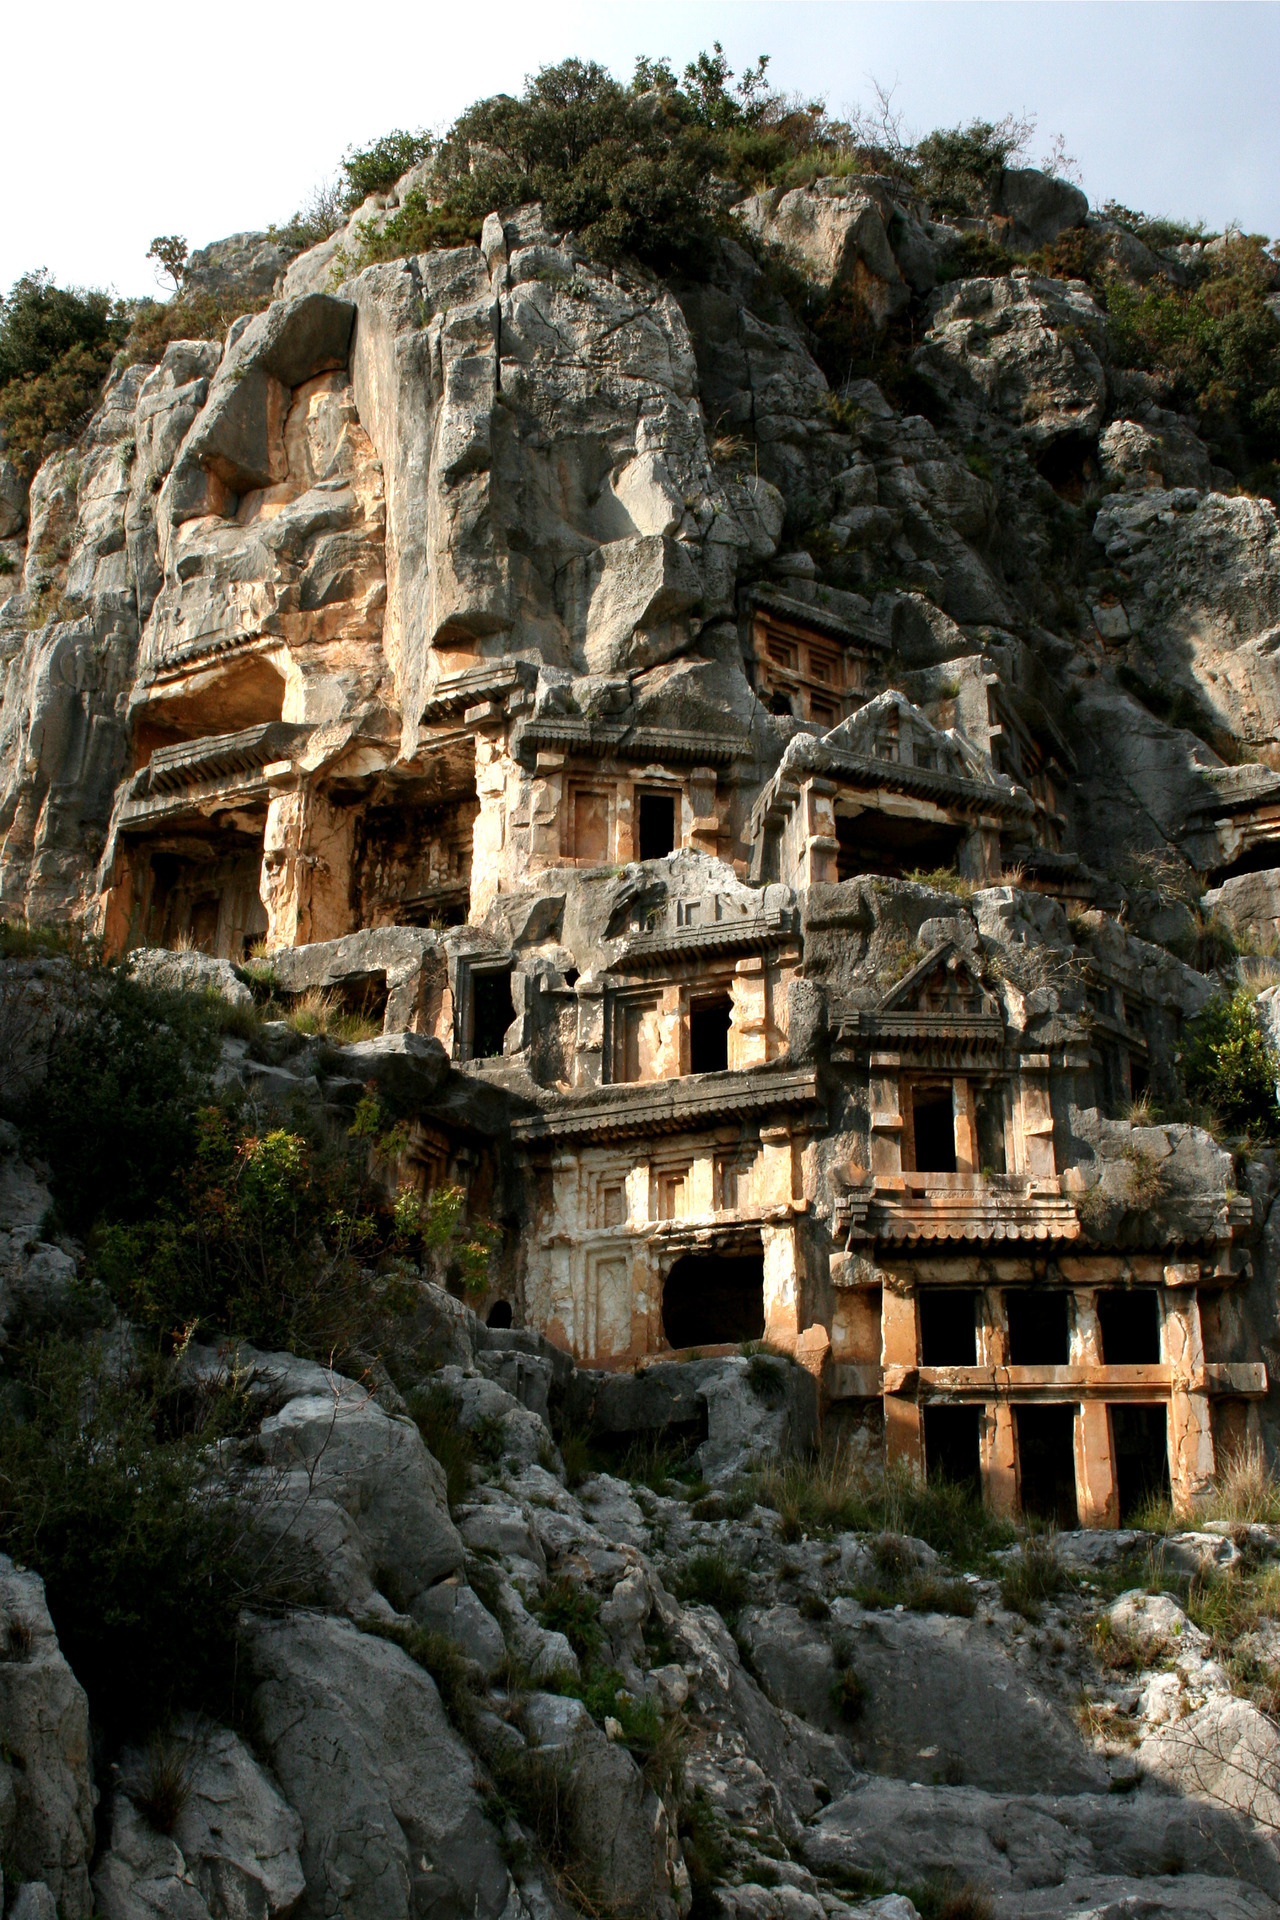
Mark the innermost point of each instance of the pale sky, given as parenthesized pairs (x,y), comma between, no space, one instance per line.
(127,121)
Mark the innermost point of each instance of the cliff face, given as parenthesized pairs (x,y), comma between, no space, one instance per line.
(772,825)
(745,775)
(510,454)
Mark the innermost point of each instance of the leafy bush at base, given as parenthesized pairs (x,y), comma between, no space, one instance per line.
(1229,1066)
(109,1491)
(116,1115)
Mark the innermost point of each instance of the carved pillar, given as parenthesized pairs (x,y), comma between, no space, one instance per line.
(998,1459)
(886,1119)
(820,842)
(964,1125)
(1097,1496)
(997,1454)
(900,1358)
(1191,1458)
(1037,1117)
(749,1031)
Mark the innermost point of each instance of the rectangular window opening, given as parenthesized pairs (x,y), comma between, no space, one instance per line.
(951,1445)
(1129,1321)
(492,1011)
(709,1022)
(935,1130)
(948,1327)
(1038,1330)
(657,825)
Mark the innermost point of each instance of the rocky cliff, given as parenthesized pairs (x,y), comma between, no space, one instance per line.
(665,730)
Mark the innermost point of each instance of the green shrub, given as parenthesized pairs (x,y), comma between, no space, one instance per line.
(434,1412)
(56,345)
(848,1695)
(141,1532)
(1228,1064)
(374,168)
(116,1117)
(630,169)
(1035,1576)
(711,1579)
(959,167)
(567,1608)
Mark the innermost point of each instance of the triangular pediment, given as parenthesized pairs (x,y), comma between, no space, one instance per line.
(945,982)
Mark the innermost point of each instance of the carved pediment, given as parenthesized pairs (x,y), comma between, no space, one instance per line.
(945,983)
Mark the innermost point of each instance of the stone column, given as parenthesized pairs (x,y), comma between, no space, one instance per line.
(820,841)
(1097,1494)
(900,1358)
(886,1119)
(965,1130)
(997,1453)
(1191,1458)
(1037,1117)
(998,1459)
(749,1032)
(781,1285)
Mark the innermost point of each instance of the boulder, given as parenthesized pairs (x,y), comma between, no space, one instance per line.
(1036,206)
(142,1875)
(393,1824)
(942,1700)
(233,1848)
(408,1069)
(242,268)
(238,1836)
(484,1406)
(616,1825)
(834,234)
(408,962)
(342,1447)
(1017,1849)
(45,1772)
(1026,348)
(189,972)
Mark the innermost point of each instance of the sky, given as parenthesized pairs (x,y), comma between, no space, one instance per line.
(145,118)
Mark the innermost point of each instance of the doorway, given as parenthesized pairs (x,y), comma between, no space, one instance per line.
(1047,1463)
(1140,1451)
(714,1299)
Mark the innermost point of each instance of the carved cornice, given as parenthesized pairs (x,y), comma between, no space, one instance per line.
(670,745)
(667,1106)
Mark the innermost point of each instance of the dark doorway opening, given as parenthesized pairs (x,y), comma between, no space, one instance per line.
(499,1314)
(951,1445)
(709,1022)
(712,1299)
(934,1127)
(871,842)
(1038,1332)
(1140,1451)
(948,1327)
(1129,1321)
(657,825)
(492,1011)
(1047,1463)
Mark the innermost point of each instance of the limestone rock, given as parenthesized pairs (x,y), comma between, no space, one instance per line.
(243,267)
(835,235)
(392,1822)
(44,1734)
(940,1700)
(1022,347)
(189,973)
(378,1471)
